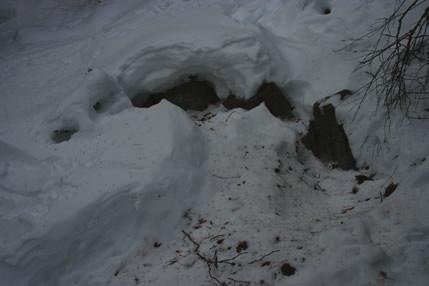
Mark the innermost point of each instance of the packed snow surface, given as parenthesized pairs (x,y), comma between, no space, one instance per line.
(160,196)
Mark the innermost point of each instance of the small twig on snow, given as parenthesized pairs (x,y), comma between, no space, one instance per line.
(239,281)
(226,178)
(263,256)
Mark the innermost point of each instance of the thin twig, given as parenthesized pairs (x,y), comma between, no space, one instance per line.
(263,256)
(197,245)
(216,237)
(239,281)
(208,261)
(400,58)
(225,178)
(229,116)
(232,258)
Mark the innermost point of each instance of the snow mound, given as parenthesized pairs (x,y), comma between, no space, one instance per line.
(162,157)
(108,206)
(98,94)
(217,49)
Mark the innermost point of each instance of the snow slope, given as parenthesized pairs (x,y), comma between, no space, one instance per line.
(126,200)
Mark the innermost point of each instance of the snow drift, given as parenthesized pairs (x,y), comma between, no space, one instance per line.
(111,205)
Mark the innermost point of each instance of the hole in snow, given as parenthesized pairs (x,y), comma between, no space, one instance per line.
(103,104)
(327,11)
(97,106)
(64,134)
(271,94)
(195,94)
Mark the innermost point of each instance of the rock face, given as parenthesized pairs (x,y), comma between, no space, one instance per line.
(269,93)
(198,94)
(327,139)
(232,102)
(275,101)
(192,95)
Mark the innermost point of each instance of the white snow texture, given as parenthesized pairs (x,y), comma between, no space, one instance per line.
(112,205)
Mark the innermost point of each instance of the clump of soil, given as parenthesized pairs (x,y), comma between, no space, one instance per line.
(390,189)
(62,135)
(242,245)
(269,93)
(195,94)
(327,139)
(287,269)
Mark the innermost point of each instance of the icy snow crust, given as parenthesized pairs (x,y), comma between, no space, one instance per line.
(108,206)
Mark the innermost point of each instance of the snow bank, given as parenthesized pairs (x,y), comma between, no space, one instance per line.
(89,210)
(163,155)
(156,57)
(98,94)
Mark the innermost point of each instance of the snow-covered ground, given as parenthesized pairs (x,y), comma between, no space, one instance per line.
(160,196)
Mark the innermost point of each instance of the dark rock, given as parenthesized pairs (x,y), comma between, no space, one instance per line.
(192,95)
(269,93)
(275,101)
(327,139)
(232,102)
(62,135)
(390,189)
(287,269)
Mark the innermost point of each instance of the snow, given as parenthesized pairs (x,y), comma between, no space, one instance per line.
(217,48)
(90,210)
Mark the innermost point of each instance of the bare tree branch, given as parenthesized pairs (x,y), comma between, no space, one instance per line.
(397,63)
